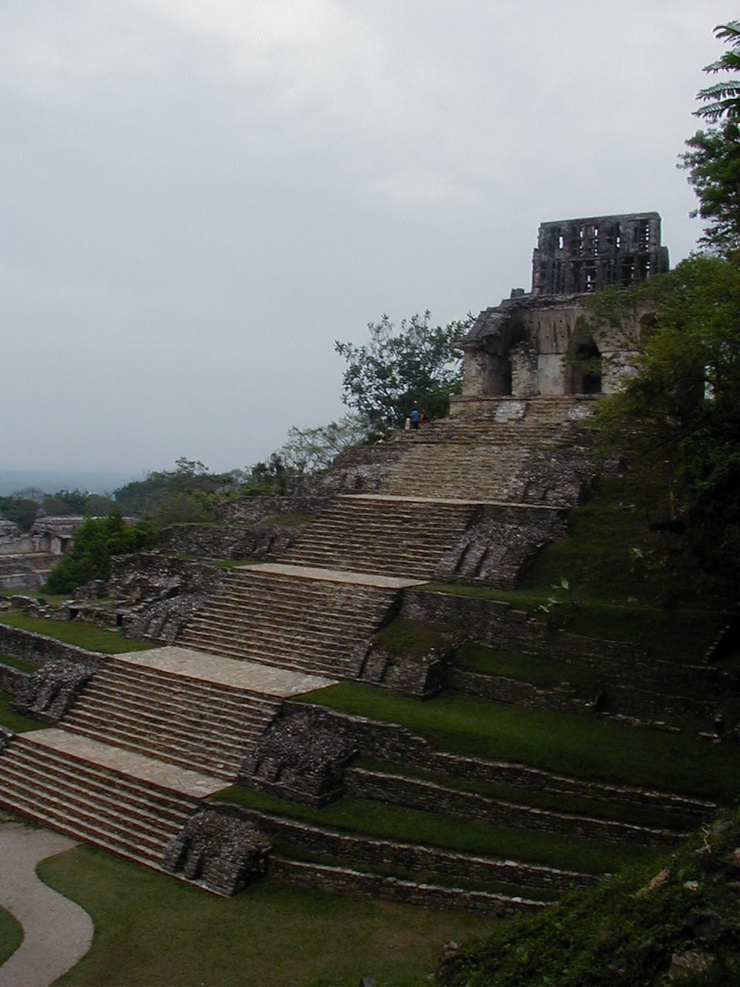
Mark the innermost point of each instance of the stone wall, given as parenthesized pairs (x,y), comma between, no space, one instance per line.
(427,796)
(631,684)
(220,850)
(413,858)
(157,595)
(39,649)
(504,540)
(10,678)
(208,541)
(347,881)
(546,342)
(393,743)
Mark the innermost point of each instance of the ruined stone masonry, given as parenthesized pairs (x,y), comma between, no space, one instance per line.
(541,343)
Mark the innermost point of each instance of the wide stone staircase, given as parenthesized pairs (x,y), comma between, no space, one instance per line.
(148,740)
(83,788)
(303,619)
(508,451)
(200,725)
(387,535)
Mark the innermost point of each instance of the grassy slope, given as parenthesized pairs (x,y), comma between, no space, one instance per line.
(377,819)
(16,722)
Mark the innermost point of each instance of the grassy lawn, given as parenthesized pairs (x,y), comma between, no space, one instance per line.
(572,745)
(11,935)
(385,821)
(151,929)
(83,635)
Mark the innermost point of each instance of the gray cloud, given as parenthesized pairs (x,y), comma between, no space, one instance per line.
(199,198)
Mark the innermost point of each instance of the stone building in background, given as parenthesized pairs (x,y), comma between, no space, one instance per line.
(541,343)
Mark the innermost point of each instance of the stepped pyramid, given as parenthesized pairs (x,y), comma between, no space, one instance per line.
(154,733)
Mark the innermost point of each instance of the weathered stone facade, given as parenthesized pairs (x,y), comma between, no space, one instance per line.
(582,255)
(543,342)
(223,852)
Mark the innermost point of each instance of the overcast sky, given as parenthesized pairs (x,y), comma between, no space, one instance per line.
(200,196)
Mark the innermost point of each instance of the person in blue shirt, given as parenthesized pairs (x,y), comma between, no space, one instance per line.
(414,416)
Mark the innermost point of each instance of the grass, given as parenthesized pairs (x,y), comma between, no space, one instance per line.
(17,722)
(414,638)
(89,636)
(385,821)
(22,666)
(567,744)
(11,935)
(682,635)
(289,519)
(611,555)
(637,815)
(151,929)
(546,673)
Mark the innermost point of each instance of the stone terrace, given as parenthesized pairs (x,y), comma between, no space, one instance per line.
(154,733)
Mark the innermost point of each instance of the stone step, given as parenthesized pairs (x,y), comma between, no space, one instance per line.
(158,710)
(397,537)
(72,771)
(339,666)
(56,790)
(180,697)
(212,761)
(112,711)
(149,822)
(317,625)
(190,734)
(294,622)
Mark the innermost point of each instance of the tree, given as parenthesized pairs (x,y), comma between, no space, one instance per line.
(93,545)
(20,510)
(682,407)
(312,450)
(713,158)
(145,497)
(415,365)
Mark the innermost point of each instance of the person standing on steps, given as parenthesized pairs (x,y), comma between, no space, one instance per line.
(423,420)
(414,416)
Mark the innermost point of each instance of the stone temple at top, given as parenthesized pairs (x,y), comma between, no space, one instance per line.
(545,342)
(580,255)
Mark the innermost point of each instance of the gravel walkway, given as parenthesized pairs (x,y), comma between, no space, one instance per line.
(56,932)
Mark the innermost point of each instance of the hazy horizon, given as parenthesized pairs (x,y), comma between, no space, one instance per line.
(13,481)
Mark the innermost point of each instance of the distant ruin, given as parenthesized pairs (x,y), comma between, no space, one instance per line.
(540,343)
